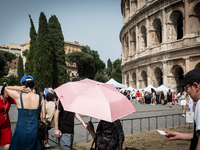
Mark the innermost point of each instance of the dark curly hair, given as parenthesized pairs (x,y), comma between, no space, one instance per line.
(29,84)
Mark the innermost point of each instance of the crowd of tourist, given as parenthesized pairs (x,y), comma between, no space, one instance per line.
(33,108)
(153,98)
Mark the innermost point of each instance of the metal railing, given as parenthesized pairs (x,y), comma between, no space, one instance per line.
(131,131)
(142,118)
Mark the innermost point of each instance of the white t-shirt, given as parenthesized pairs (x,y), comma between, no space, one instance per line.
(50,109)
(197,116)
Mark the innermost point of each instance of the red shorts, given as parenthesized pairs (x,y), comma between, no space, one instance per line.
(5,136)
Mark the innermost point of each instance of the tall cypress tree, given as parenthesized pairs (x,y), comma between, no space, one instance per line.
(109,66)
(43,56)
(59,62)
(20,70)
(29,58)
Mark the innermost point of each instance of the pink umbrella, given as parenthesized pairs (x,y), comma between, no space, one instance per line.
(95,99)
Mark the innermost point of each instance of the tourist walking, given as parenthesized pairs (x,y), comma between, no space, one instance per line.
(28,103)
(50,110)
(169,98)
(5,128)
(142,97)
(133,95)
(153,98)
(182,98)
(162,97)
(138,97)
(64,127)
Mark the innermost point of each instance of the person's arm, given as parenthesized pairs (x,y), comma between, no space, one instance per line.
(81,120)
(13,92)
(56,116)
(170,135)
(43,111)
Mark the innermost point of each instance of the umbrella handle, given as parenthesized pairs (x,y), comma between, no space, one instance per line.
(91,119)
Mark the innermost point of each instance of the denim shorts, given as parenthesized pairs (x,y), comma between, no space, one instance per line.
(65,141)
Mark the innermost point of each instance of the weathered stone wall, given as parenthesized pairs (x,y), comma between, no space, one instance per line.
(160,41)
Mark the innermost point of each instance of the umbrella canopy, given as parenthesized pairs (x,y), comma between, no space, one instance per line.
(95,99)
(163,88)
(116,84)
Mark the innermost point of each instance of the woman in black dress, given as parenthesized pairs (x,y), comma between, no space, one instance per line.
(169,98)
(162,97)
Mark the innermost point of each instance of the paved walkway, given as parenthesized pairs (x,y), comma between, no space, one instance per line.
(142,111)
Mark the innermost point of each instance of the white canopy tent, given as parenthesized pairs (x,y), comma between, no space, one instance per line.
(130,88)
(163,88)
(148,88)
(116,84)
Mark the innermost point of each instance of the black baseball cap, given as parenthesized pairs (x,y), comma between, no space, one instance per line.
(191,77)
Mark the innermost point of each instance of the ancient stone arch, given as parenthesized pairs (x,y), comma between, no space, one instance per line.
(143,38)
(158,77)
(157,31)
(134,6)
(195,23)
(134,80)
(143,79)
(197,66)
(126,47)
(176,26)
(133,42)
(127,80)
(178,75)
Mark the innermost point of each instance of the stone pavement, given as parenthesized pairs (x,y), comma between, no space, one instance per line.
(142,111)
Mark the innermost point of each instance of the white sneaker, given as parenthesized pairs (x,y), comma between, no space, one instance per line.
(46,144)
(153,104)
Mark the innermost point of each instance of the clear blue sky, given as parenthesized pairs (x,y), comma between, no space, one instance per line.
(96,23)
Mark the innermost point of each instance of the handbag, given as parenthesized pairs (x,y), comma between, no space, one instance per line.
(42,128)
(94,143)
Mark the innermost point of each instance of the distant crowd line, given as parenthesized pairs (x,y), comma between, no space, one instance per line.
(153,98)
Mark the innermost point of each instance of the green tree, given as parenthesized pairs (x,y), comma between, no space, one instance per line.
(59,62)
(8,56)
(2,64)
(43,56)
(116,72)
(24,53)
(98,64)
(109,66)
(20,70)
(100,77)
(84,63)
(12,80)
(4,57)
(29,65)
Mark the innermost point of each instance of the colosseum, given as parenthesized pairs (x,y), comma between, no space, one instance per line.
(160,41)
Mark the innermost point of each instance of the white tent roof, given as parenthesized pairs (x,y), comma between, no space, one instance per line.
(163,88)
(116,84)
(148,88)
(130,88)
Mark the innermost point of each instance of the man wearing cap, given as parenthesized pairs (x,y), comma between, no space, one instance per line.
(191,84)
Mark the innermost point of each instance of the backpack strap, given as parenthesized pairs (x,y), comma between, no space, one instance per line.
(94,142)
(39,106)
(21,101)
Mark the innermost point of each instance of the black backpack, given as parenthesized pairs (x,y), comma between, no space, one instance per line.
(110,135)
